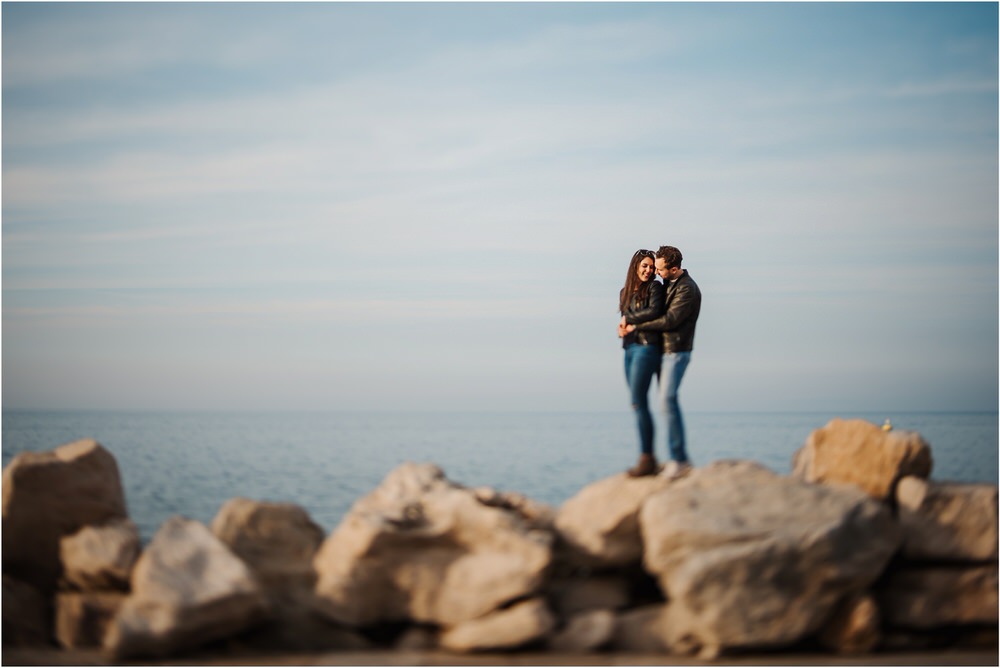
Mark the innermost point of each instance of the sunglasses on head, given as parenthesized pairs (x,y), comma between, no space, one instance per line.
(643,251)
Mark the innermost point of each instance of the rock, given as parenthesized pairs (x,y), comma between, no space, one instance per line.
(571,596)
(585,632)
(749,558)
(947,521)
(512,627)
(861,453)
(188,588)
(278,541)
(421,548)
(100,558)
(938,596)
(25,615)
(854,628)
(48,495)
(82,619)
(600,523)
(640,630)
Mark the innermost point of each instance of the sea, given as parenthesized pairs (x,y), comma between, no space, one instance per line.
(189,464)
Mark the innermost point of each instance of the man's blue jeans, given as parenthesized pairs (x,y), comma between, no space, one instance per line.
(641,364)
(674,366)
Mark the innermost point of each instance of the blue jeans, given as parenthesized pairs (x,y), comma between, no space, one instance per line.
(641,364)
(674,366)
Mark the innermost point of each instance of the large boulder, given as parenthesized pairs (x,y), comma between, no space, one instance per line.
(751,558)
(928,597)
(947,521)
(188,588)
(48,495)
(422,548)
(100,558)
(278,541)
(600,524)
(863,454)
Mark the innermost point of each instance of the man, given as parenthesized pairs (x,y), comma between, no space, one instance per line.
(683,304)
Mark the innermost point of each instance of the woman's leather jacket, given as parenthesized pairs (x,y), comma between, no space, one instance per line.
(651,308)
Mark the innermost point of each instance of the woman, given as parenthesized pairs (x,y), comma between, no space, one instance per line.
(642,299)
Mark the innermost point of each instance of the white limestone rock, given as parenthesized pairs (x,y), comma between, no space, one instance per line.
(188,588)
(421,548)
(749,558)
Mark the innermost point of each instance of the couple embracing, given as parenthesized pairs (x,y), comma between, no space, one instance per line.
(659,304)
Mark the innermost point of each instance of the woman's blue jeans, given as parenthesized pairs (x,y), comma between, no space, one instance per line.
(641,364)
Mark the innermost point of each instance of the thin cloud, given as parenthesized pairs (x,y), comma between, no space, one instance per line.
(334,179)
(942,88)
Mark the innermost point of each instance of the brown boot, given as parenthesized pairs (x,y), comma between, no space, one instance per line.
(646,466)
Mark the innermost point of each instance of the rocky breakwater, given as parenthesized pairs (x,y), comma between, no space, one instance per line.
(857,551)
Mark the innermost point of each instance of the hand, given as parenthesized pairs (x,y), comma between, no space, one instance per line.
(629,329)
(621,331)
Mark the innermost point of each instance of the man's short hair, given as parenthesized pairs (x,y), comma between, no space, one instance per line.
(672,256)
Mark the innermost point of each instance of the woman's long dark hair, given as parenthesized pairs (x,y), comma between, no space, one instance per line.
(635,290)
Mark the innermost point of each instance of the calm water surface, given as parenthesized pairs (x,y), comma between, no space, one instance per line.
(191,463)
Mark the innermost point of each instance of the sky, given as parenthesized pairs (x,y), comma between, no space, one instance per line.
(380,206)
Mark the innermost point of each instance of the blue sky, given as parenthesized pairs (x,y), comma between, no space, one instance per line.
(432,206)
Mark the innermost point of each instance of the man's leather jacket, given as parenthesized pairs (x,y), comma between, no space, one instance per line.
(683,304)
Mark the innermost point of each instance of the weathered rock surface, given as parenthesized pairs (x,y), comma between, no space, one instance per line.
(861,453)
(278,541)
(187,588)
(422,548)
(534,514)
(947,521)
(82,618)
(585,632)
(854,628)
(48,495)
(99,558)
(600,524)
(936,596)
(512,627)
(25,615)
(750,558)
